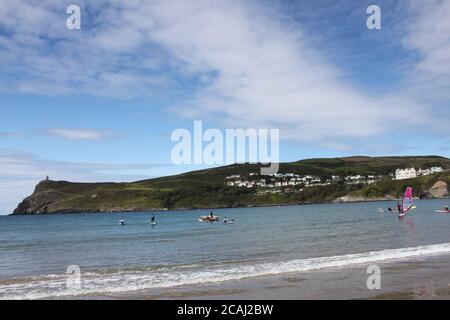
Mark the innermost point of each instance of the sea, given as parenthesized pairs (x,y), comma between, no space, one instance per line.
(297,251)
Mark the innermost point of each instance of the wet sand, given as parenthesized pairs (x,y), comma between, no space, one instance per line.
(421,278)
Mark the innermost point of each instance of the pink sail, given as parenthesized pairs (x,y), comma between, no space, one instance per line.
(407,202)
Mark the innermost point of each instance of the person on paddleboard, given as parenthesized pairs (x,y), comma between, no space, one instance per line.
(152,219)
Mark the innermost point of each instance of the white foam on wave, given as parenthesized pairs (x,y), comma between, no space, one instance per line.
(96,283)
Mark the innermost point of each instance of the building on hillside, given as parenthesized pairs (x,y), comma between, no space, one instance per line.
(409,173)
(424,172)
(436,169)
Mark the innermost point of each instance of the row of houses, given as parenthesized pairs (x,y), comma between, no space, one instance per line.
(263,183)
(291,179)
(277,180)
(409,173)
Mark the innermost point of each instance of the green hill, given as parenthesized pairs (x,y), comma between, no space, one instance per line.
(207,188)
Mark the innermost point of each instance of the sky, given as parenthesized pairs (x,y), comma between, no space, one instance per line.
(101,103)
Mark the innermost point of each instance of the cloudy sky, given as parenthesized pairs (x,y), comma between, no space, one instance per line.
(100,103)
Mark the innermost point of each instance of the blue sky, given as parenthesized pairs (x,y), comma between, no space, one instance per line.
(100,103)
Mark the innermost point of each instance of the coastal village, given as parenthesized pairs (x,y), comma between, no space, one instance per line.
(284,181)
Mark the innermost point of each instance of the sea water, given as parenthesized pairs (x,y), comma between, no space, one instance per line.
(36,251)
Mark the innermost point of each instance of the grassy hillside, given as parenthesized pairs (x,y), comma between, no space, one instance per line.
(207,189)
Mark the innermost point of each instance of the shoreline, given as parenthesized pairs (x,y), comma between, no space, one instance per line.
(214,208)
(418,278)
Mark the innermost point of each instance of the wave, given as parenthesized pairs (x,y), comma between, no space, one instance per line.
(54,286)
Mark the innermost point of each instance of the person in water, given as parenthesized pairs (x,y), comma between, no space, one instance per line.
(122,221)
(446,208)
(390,209)
(399,207)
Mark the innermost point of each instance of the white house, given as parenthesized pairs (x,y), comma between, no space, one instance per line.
(401,174)
(425,172)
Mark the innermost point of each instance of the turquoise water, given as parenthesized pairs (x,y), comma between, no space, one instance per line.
(36,250)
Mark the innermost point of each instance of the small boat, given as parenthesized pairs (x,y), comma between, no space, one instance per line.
(442,211)
(209,218)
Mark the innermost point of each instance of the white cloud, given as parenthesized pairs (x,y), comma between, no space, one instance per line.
(265,73)
(257,67)
(78,134)
(428,34)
